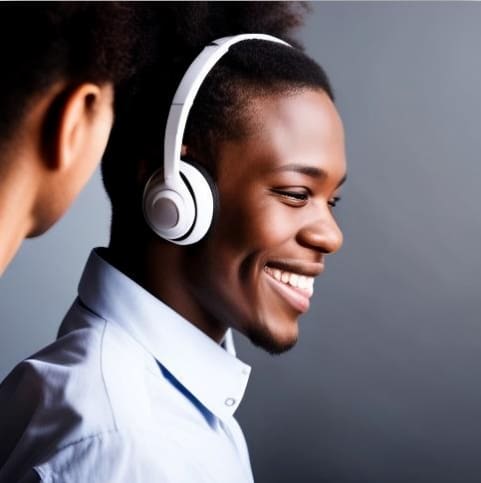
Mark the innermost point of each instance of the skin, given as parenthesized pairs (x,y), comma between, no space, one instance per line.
(276,190)
(48,160)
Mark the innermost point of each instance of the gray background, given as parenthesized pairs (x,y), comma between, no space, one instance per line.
(384,384)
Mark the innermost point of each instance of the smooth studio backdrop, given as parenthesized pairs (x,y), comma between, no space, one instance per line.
(384,385)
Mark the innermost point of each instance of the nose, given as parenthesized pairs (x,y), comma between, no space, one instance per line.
(322,233)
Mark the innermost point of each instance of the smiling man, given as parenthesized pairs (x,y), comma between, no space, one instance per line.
(143,382)
(277,186)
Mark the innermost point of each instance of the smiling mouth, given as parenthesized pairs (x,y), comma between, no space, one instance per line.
(294,288)
(294,280)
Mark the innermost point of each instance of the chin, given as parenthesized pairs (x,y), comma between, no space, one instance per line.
(273,342)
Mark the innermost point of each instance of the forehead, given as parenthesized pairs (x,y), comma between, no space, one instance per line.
(299,128)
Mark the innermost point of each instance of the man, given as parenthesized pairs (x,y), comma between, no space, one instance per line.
(60,62)
(142,383)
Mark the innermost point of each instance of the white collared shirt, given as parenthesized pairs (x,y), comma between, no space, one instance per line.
(130,392)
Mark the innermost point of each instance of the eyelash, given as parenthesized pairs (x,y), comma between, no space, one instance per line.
(293,194)
(304,196)
(334,201)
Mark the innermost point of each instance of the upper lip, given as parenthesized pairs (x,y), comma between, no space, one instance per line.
(308,269)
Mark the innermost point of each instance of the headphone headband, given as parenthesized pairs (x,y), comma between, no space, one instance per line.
(186,92)
(179,201)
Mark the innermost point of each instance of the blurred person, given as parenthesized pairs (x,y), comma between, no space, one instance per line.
(60,64)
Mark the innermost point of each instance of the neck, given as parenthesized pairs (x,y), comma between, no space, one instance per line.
(161,269)
(16,201)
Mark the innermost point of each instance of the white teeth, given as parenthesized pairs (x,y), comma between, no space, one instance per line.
(310,283)
(293,279)
(302,282)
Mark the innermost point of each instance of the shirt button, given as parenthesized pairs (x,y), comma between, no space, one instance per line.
(230,401)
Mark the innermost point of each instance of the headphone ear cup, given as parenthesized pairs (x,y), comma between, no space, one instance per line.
(181,210)
(205,196)
(168,207)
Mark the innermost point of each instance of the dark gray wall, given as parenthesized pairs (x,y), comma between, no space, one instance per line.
(384,384)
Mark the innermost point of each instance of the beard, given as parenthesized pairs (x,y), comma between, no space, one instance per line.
(261,337)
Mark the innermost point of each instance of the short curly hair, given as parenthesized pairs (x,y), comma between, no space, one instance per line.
(250,69)
(44,42)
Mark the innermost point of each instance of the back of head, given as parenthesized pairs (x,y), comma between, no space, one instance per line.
(42,43)
(250,69)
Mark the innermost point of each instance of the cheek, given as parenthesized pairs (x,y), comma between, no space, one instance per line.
(256,226)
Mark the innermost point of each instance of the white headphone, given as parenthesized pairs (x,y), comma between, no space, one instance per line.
(178,203)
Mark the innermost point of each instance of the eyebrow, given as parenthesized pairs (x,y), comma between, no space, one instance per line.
(311,171)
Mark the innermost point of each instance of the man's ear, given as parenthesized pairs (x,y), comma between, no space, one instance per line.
(83,125)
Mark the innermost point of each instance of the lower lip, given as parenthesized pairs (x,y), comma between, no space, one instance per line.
(299,301)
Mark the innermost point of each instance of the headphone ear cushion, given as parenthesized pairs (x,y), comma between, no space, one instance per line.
(203,190)
(210,181)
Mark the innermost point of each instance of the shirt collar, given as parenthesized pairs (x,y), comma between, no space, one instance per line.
(209,371)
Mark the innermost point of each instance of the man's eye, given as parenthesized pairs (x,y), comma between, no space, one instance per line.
(334,201)
(296,196)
